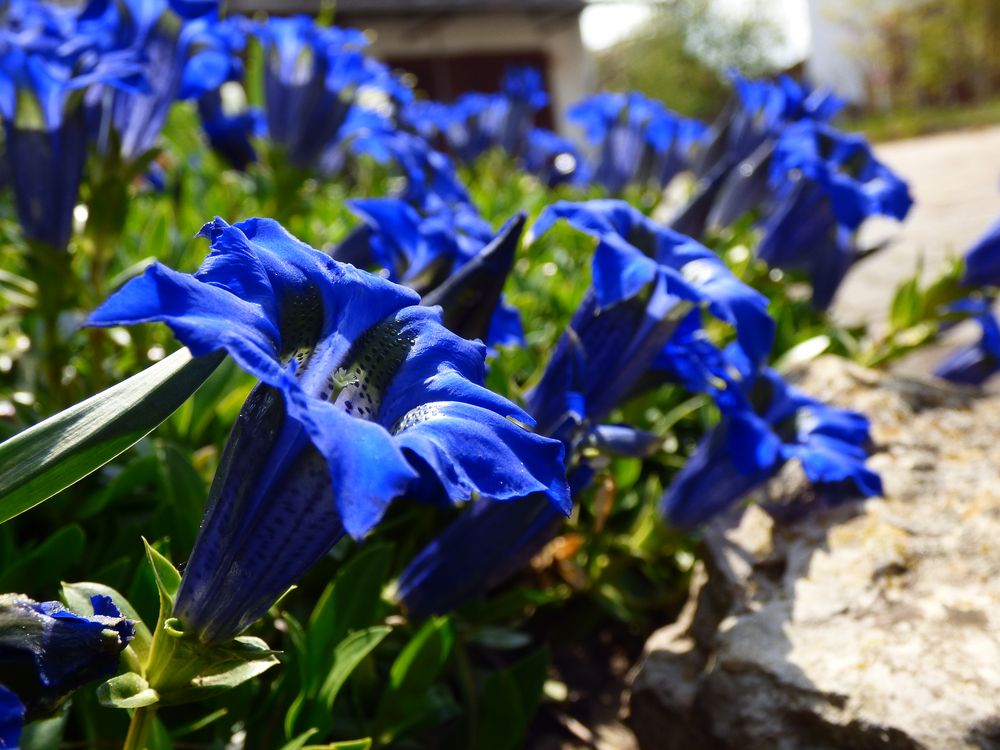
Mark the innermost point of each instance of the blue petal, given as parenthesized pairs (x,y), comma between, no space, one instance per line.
(11,719)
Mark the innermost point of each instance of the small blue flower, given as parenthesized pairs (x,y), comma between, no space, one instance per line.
(311,83)
(843,166)
(230,135)
(766,423)
(187,51)
(638,138)
(553,159)
(976,363)
(42,87)
(11,719)
(982,260)
(47,652)
(365,397)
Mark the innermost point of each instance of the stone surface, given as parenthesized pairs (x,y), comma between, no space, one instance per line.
(875,625)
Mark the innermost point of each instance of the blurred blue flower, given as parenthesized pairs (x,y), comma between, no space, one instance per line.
(42,87)
(186,51)
(411,245)
(312,81)
(365,397)
(230,134)
(11,719)
(982,260)
(843,166)
(825,184)
(47,652)
(975,363)
(553,159)
(765,424)
(638,139)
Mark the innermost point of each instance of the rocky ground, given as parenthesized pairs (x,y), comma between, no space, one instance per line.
(875,625)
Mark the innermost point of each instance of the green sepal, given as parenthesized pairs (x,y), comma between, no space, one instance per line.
(168,580)
(128,690)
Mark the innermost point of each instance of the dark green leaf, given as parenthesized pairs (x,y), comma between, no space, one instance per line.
(52,455)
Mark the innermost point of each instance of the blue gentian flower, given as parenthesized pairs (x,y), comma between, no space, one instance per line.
(638,138)
(231,134)
(427,252)
(11,719)
(47,652)
(47,66)
(364,397)
(637,303)
(982,260)
(842,164)
(974,364)
(312,80)
(765,424)
(553,159)
(633,250)
(411,245)
(825,184)
(187,52)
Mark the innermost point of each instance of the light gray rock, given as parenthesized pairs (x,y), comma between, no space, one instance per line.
(870,626)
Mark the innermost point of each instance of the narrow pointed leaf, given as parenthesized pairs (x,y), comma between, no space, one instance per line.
(348,654)
(55,453)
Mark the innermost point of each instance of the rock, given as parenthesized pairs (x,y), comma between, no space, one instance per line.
(875,625)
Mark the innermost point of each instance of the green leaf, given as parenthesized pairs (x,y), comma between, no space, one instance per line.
(77,598)
(127,690)
(46,563)
(299,742)
(364,744)
(906,305)
(423,658)
(184,495)
(346,658)
(55,453)
(222,678)
(510,699)
(349,603)
(803,352)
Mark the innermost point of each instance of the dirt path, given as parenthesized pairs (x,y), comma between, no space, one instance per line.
(955,182)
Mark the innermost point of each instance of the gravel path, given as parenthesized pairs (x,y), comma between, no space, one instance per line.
(955,182)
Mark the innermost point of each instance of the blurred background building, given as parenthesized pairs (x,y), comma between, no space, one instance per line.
(457,46)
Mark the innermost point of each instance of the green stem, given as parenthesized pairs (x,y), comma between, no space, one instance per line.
(139,728)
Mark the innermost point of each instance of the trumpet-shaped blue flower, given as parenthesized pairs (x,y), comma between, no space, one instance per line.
(612,342)
(975,363)
(230,134)
(825,184)
(982,260)
(186,50)
(638,138)
(766,423)
(553,159)
(47,652)
(633,250)
(312,80)
(365,397)
(843,166)
(428,252)
(41,102)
